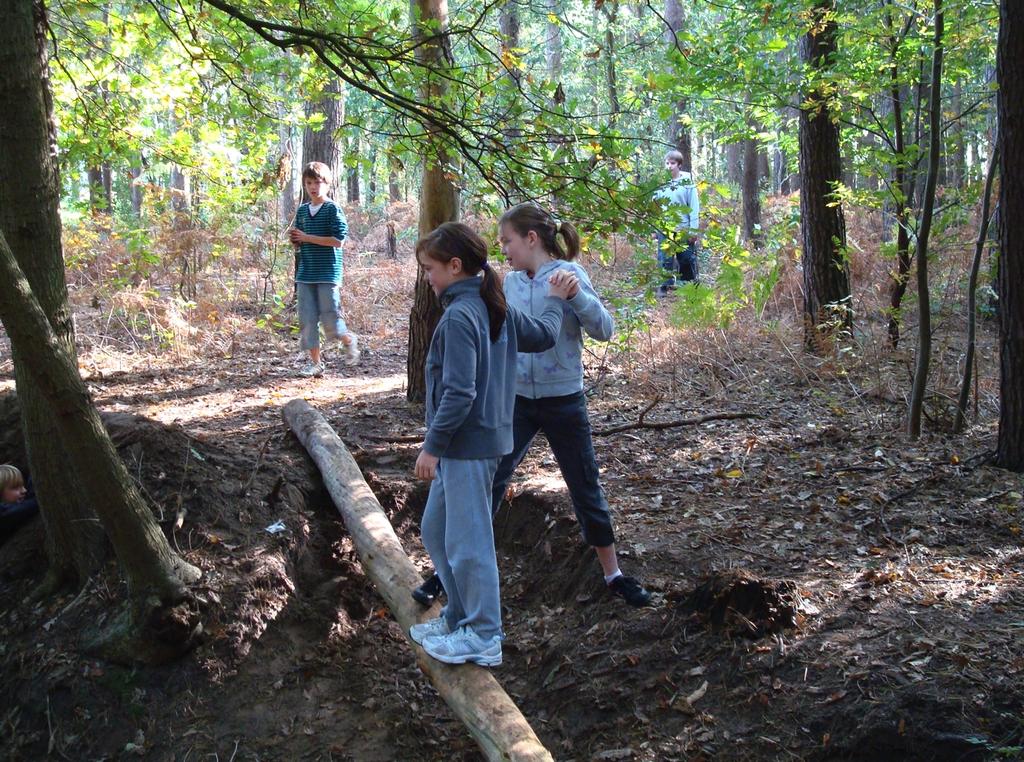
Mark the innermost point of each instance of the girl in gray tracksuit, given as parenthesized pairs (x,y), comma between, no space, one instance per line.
(470,375)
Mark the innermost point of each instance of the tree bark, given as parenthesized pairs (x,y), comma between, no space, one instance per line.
(439,198)
(553,42)
(972,287)
(472,692)
(1010,104)
(321,143)
(826,271)
(28,169)
(924,321)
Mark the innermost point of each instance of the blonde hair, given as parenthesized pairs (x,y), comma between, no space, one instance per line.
(10,476)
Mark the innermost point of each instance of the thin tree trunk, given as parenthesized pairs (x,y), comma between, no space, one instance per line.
(439,198)
(28,150)
(611,12)
(751,194)
(553,42)
(826,271)
(924,331)
(371,180)
(972,287)
(902,184)
(1010,104)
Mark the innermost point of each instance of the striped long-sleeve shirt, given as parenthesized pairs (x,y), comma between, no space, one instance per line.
(320,264)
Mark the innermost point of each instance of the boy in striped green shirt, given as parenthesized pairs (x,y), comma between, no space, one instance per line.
(318,232)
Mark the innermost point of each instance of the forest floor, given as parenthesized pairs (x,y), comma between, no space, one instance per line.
(824,589)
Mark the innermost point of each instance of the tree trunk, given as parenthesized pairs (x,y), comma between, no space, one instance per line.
(508,25)
(74,541)
(371,180)
(1010,104)
(101,199)
(924,323)
(751,194)
(611,12)
(352,185)
(902,186)
(473,693)
(553,42)
(151,567)
(439,198)
(286,175)
(972,287)
(181,194)
(321,144)
(826,271)
(734,163)
(676,133)
(137,192)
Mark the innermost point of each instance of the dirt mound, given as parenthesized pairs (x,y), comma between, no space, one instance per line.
(739,602)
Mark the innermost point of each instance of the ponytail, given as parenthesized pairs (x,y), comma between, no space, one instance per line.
(453,240)
(526,217)
(494,298)
(572,240)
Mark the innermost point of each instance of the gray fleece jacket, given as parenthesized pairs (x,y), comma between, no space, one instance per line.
(559,370)
(471,380)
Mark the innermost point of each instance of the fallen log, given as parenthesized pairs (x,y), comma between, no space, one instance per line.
(472,692)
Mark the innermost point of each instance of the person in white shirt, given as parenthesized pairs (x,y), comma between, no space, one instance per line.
(680,225)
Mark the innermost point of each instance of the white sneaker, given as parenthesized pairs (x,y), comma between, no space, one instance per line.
(463,646)
(312,370)
(352,350)
(431,628)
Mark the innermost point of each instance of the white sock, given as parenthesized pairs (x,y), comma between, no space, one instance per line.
(609,578)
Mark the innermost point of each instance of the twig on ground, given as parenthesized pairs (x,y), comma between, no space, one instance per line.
(641,423)
(396,439)
(256,466)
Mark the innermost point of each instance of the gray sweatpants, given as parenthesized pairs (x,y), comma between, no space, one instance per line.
(458,535)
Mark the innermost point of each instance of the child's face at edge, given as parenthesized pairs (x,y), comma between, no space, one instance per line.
(13,494)
(440,275)
(316,188)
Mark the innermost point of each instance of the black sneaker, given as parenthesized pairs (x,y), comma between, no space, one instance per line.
(427,593)
(630,590)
